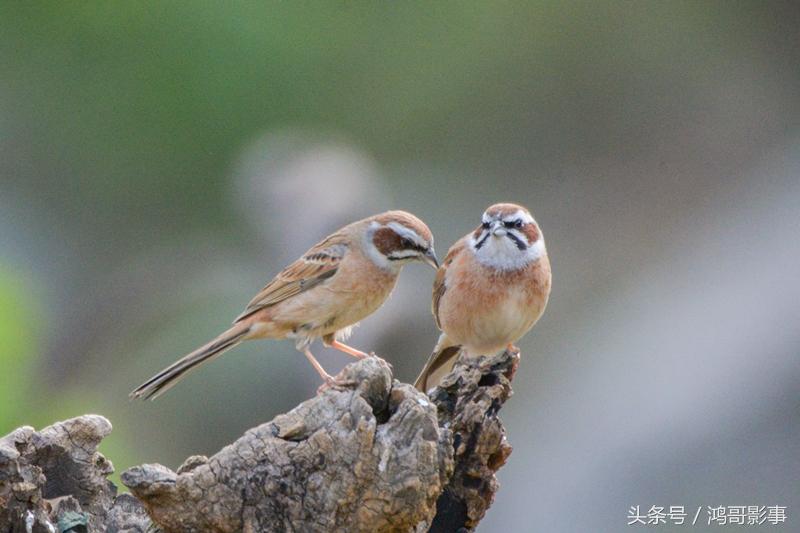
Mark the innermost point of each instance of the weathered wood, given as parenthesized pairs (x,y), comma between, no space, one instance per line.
(469,400)
(54,480)
(373,455)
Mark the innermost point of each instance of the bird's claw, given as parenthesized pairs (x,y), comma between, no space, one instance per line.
(336,384)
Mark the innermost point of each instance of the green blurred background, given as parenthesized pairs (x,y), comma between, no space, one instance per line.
(160,161)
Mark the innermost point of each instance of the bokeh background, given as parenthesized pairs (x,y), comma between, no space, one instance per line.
(160,161)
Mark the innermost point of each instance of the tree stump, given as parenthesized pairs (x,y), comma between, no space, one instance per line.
(373,455)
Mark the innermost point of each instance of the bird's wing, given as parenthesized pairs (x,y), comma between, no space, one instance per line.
(439,287)
(439,364)
(315,266)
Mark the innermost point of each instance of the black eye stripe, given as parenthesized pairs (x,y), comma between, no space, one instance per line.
(407,243)
(482,241)
(520,244)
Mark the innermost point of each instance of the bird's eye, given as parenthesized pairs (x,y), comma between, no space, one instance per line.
(518,223)
(405,243)
(485,225)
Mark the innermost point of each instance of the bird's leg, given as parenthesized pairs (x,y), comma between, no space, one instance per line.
(327,378)
(349,350)
(330,381)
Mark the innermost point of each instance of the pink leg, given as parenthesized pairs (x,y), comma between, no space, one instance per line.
(327,378)
(330,381)
(358,354)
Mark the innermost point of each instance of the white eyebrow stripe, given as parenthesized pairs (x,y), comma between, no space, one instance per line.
(408,233)
(402,254)
(520,214)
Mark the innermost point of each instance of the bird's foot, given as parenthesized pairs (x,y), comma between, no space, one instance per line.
(336,383)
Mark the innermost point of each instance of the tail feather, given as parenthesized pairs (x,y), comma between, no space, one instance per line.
(439,364)
(164,380)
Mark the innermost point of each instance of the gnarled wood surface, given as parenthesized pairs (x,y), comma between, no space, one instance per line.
(376,455)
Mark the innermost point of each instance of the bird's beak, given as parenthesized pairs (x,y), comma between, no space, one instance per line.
(498,230)
(430,258)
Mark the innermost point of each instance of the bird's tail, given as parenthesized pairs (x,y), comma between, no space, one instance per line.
(161,382)
(439,364)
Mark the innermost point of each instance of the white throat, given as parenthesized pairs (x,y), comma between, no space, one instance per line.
(501,253)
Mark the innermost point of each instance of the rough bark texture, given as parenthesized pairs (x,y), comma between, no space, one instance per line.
(54,480)
(367,458)
(375,455)
(468,401)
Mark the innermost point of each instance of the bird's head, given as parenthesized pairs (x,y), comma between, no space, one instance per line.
(508,238)
(396,238)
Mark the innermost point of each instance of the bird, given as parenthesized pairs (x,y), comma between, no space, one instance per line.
(491,289)
(338,282)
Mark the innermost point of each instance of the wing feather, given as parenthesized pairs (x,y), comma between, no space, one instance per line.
(439,286)
(314,267)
